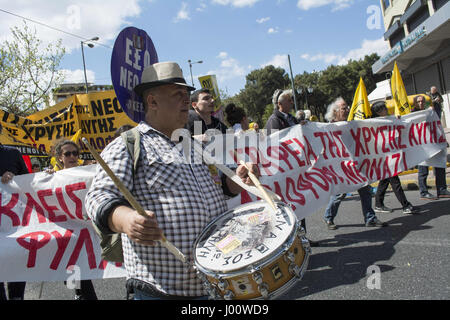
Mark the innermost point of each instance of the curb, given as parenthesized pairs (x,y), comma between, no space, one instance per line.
(410,184)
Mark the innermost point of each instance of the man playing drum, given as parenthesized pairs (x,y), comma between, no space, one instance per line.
(179,197)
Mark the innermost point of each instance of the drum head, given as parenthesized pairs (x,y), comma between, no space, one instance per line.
(244,236)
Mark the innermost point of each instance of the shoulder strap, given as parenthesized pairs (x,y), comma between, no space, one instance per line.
(132,140)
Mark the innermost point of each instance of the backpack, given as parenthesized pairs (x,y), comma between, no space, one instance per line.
(111,244)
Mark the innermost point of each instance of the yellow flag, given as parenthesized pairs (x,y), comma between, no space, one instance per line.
(401,103)
(360,107)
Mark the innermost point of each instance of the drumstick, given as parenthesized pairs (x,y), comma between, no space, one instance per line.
(134,203)
(259,186)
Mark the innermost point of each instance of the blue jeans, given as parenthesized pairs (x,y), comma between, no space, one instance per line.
(439,174)
(366,205)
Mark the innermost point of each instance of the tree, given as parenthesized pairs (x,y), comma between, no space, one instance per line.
(28,71)
(258,91)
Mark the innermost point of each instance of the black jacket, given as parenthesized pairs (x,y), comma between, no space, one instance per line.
(11,160)
(215,123)
(279,121)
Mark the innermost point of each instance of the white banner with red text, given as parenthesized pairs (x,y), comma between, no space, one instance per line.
(45,235)
(305,164)
(44,232)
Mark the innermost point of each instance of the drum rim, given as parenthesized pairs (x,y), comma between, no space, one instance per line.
(257,265)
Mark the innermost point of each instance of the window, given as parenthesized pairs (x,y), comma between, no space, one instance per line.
(396,37)
(437,4)
(419,17)
(386,4)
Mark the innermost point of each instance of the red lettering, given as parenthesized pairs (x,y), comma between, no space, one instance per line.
(33,245)
(356,137)
(375,135)
(78,203)
(321,136)
(383,138)
(62,242)
(290,186)
(293,152)
(441,137)
(399,129)
(324,185)
(392,138)
(303,184)
(337,135)
(62,202)
(50,209)
(386,170)
(396,156)
(412,136)
(6,210)
(347,168)
(84,239)
(277,155)
(32,204)
(367,137)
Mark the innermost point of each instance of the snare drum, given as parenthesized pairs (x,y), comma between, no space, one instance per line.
(252,252)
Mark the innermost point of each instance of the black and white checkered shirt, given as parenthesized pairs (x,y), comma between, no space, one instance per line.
(183,196)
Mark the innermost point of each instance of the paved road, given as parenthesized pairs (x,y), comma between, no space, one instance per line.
(412,255)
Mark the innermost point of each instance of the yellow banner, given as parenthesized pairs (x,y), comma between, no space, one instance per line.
(360,109)
(97,114)
(401,103)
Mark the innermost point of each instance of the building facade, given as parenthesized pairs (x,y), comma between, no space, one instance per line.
(418,32)
(67,90)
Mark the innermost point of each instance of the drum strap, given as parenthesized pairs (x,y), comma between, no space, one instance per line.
(231,174)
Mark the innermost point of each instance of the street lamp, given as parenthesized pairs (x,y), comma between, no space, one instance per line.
(90,45)
(190,68)
(306,91)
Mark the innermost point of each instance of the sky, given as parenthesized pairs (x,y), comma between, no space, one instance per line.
(231,37)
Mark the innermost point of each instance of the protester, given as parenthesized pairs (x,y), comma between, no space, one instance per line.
(253,126)
(439,173)
(283,102)
(180,198)
(67,153)
(35,166)
(338,111)
(281,118)
(300,115)
(237,118)
(436,101)
(203,104)
(11,164)
(379,109)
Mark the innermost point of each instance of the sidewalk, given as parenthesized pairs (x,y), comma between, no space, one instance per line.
(409,179)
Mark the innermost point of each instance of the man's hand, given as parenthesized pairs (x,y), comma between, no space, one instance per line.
(7,177)
(242,172)
(140,229)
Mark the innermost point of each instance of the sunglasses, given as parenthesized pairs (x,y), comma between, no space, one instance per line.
(68,153)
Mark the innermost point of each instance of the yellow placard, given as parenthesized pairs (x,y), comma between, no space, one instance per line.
(97,114)
(210,82)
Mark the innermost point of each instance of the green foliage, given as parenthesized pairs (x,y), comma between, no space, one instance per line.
(327,85)
(258,91)
(28,71)
(268,111)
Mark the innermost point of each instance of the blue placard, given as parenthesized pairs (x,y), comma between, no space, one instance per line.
(132,52)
